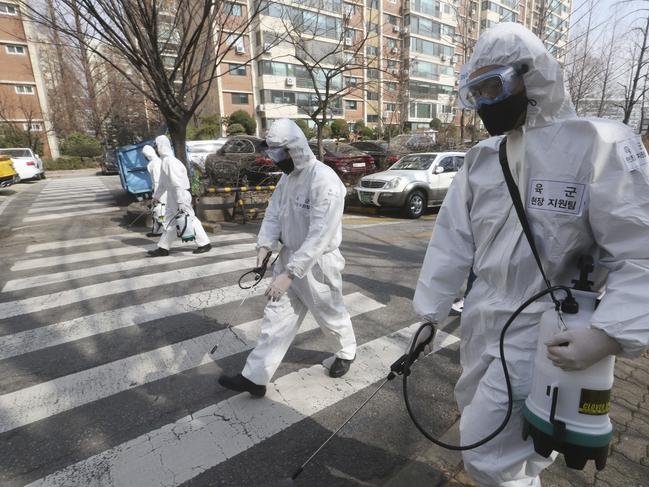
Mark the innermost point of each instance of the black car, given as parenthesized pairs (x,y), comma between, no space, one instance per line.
(109,163)
(378,149)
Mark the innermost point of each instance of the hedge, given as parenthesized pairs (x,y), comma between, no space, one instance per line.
(70,162)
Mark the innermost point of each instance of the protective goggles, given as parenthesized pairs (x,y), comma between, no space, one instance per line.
(276,154)
(490,87)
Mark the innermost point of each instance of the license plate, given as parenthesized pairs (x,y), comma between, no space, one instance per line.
(365,197)
(358,164)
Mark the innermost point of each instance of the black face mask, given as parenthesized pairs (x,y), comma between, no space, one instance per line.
(286,165)
(505,115)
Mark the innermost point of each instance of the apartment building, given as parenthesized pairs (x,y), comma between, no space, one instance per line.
(23,101)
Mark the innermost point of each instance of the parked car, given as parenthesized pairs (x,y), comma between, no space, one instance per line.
(8,175)
(27,164)
(404,144)
(198,150)
(349,163)
(240,162)
(378,149)
(109,163)
(413,183)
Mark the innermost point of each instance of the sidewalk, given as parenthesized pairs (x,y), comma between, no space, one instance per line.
(628,461)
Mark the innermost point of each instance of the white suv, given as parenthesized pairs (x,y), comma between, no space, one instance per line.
(413,183)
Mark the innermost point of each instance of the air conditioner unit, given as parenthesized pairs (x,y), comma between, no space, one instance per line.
(387,114)
(240,49)
(348,41)
(394,50)
(290,81)
(396,28)
(454,59)
(405,30)
(261,108)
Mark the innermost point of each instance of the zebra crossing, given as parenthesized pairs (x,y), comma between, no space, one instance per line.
(65,299)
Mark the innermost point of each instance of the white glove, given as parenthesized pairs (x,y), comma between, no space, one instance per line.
(278,287)
(261,255)
(579,349)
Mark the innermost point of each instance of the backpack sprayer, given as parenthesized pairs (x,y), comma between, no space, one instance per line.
(157,217)
(184,223)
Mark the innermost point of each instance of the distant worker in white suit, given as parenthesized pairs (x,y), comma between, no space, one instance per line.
(174,182)
(158,207)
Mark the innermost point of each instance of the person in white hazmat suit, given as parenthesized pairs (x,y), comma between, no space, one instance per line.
(585,187)
(157,206)
(175,183)
(304,216)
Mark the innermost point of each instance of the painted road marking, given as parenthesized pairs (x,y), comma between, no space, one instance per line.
(84,206)
(65,244)
(64,393)
(46,279)
(36,304)
(66,199)
(179,451)
(58,216)
(26,264)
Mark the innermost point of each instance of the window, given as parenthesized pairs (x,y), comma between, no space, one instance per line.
(238,146)
(391,19)
(237,69)
(431,48)
(372,27)
(278,96)
(350,10)
(351,81)
(447,164)
(17,50)
(239,98)
(392,64)
(391,86)
(458,161)
(432,71)
(8,9)
(391,107)
(351,104)
(33,127)
(372,95)
(373,4)
(24,90)
(430,28)
(391,43)
(421,110)
(238,44)
(430,7)
(233,9)
(447,8)
(371,50)
(373,73)
(372,119)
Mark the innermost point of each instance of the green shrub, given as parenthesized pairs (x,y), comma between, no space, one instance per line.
(367,133)
(308,131)
(209,127)
(81,145)
(70,162)
(243,118)
(236,129)
(339,129)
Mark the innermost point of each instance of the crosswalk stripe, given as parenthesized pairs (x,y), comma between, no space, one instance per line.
(65,244)
(77,197)
(46,279)
(86,206)
(73,195)
(106,321)
(68,201)
(70,187)
(72,191)
(179,451)
(58,216)
(26,264)
(10,309)
(62,394)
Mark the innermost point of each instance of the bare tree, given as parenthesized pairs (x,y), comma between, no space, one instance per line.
(19,121)
(634,89)
(346,64)
(606,75)
(175,46)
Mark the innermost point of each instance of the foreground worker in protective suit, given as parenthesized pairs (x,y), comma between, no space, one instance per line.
(304,216)
(175,183)
(158,206)
(583,194)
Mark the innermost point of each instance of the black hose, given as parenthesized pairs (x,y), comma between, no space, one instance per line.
(510,400)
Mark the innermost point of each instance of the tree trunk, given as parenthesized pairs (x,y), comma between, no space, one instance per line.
(320,130)
(178,135)
(631,100)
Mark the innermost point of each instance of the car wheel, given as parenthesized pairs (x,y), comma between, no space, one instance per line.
(42,175)
(415,204)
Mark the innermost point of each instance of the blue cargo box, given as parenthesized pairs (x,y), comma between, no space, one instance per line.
(132,169)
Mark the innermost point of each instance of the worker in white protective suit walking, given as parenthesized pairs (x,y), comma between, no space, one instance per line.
(157,206)
(585,187)
(175,183)
(304,216)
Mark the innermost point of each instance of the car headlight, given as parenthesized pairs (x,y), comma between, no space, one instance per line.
(394,183)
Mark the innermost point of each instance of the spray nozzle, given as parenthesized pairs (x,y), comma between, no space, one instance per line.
(569,304)
(419,341)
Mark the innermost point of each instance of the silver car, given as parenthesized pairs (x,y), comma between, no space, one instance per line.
(413,183)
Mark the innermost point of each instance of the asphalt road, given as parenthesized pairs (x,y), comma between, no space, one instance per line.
(105,373)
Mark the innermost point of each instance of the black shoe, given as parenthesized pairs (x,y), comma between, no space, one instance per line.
(151,234)
(241,384)
(203,249)
(340,367)
(159,252)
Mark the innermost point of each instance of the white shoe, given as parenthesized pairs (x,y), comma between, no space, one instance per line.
(457,308)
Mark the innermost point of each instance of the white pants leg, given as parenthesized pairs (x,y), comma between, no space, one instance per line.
(507,460)
(281,321)
(201,237)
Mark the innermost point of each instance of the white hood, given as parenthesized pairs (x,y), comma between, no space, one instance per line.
(164,146)
(149,152)
(511,44)
(285,133)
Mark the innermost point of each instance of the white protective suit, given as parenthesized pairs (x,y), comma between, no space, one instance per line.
(175,183)
(600,206)
(305,216)
(154,168)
